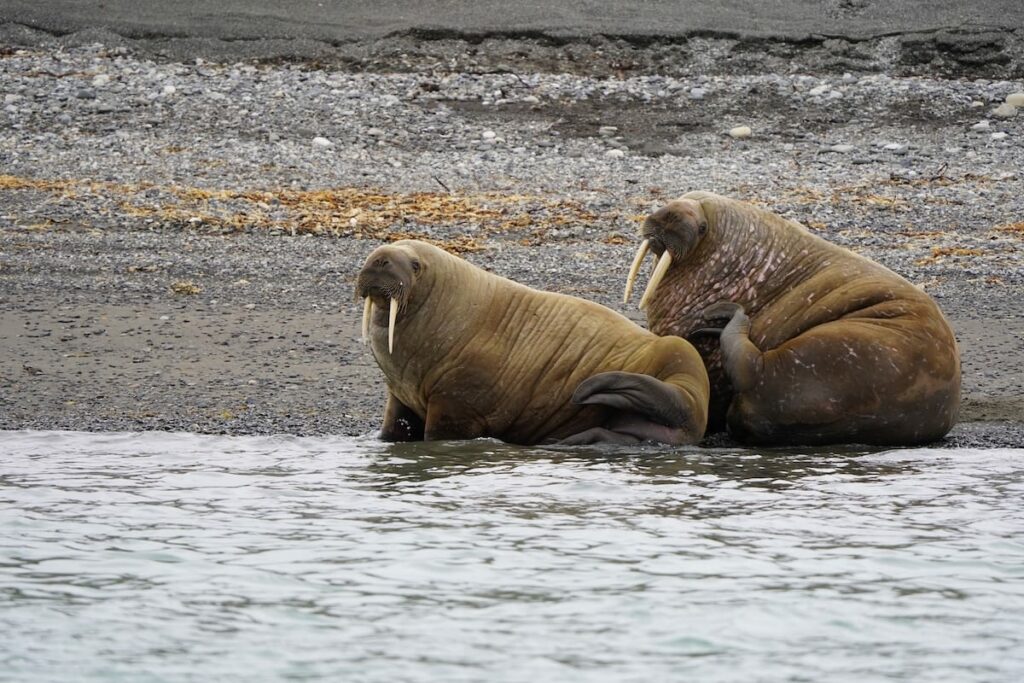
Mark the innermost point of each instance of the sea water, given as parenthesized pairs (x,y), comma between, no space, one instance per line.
(177,557)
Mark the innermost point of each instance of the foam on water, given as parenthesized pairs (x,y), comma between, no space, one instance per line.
(181,557)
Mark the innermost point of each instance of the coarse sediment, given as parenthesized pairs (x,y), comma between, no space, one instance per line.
(179,239)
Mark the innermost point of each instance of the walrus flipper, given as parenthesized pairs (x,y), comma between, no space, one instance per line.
(647,409)
(400,422)
(742,360)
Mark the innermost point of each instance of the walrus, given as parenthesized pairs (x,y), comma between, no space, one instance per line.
(466,354)
(811,343)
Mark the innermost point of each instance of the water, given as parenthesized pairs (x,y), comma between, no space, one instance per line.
(174,557)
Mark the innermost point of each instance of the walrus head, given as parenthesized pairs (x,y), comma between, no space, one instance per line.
(386,280)
(672,232)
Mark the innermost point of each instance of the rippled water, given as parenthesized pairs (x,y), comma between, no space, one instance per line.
(181,557)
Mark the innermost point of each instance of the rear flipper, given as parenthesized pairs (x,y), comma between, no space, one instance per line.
(647,409)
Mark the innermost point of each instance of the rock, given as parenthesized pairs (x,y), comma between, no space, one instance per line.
(697,93)
(100,80)
(819,90)
(1005,111)
(607,131)
(1000,135)
(489,135)
(982,125)
(1016,99)
(531,99)
(615,154)
(740,132)
(322,143)
(893,146)
(168,90)
(842,149)
(85,94)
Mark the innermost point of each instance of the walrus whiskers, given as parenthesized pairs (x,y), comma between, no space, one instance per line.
(641,253)
(367,312)
(392,316)
(659,272)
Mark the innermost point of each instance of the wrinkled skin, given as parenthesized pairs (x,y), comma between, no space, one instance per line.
(477,355)
(805,342)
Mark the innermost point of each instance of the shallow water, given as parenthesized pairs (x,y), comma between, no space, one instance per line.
(181,557)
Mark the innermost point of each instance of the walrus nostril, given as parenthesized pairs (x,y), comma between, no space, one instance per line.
(381,263)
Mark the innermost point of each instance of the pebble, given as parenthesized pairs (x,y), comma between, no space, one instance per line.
(322,142)
(489,135)
(697,93)
(615,154)
(999,135)
(85,94)
(740,132)
(842,149)
(1005,111)
(1016,99)
(819,90)
(982,125)
(607,131)
(531,99)
(100,80)
(168,90)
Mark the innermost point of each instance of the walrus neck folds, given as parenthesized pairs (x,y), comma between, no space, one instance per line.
(723,267)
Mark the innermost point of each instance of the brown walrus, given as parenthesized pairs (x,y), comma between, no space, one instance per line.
(468,354)
(817,344)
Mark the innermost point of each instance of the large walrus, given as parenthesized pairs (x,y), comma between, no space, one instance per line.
(812,343)
(468,354)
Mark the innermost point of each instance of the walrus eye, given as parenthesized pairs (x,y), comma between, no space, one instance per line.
(415,266)
(702,228)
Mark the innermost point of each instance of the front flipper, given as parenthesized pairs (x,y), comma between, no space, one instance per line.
(400,422)
(647,409)
(743,362)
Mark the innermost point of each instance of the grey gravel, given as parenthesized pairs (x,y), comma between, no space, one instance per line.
(179,172)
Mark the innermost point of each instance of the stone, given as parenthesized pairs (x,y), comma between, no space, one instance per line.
(842,149)
(740,132)
(1016,99)
(697,93)
(1000,135)
(1005,111)
(100,80)
(982,125)
(489,135)
(322,143)
(607,131)
(615,154)
(168,90)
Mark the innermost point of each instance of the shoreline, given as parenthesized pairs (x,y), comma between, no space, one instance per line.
(178,242)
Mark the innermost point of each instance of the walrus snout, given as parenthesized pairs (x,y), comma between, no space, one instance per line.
(385,280)
(670,233)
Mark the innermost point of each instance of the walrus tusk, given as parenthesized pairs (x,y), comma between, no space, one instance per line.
(392,316)
(634,269)
(367,312)
(659,272)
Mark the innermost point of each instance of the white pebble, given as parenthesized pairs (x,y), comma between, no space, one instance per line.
(322,142)
(169,90)
(165,317)
(842,149)
(820,90)
(893,147)
(607,131)
(100,80)
(740,132)
(489,135)
(697,93)
(615,154)
(1005,111)
(1016,99)
(999,135)
(531,99)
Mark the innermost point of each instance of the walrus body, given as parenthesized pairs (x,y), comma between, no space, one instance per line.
(468,354)
(814,344)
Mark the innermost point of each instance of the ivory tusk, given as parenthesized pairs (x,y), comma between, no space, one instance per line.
(367,312)
(635,268)
(392,316)
(659,272)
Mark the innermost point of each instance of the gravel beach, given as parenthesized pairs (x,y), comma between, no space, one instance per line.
(179,236)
